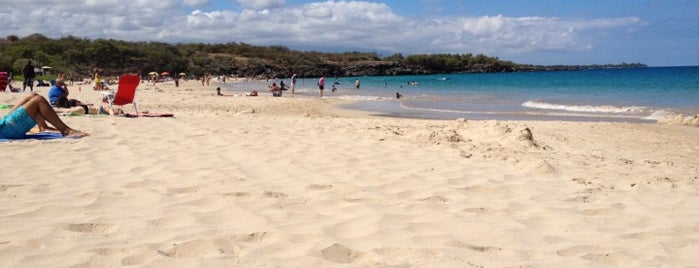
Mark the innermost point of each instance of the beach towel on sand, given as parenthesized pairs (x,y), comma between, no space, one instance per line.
(41,136)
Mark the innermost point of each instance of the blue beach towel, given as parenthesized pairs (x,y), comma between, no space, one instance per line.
(41,136)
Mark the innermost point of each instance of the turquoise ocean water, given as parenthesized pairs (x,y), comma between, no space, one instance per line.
(631,95)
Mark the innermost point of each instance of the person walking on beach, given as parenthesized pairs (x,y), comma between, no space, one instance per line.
(321,84)
(29,74)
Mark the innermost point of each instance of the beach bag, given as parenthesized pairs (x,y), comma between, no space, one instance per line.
(64,102)
(253,93)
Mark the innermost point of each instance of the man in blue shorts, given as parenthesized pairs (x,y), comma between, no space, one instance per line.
(31,111)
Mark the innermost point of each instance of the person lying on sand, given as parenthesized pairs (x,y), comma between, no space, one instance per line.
(31,111)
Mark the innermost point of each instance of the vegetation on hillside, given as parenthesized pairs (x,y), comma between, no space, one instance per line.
(82,57)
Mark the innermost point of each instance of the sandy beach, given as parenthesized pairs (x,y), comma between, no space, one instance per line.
(296,182)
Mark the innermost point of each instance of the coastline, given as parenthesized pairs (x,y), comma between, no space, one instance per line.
(397,111)
(616,95)
(263,181)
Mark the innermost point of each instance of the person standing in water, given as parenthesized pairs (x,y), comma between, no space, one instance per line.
(293,83)
(321,84)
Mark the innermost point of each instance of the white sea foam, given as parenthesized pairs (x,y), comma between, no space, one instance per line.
(585,108)
(361,98)
(528,113)
(402,105)
(661,114)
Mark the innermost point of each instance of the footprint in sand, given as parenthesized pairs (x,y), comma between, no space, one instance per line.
(8,189)
(236,194)
(484,249)
(479,210)
(482,189)
(253,237)
(340,254)
(4,187)
(203,248)
(90,227)
(184,190)
(139,184)
(320,186)
(274,194)
(136,259)
(582,199)
(577,251)
(357,200)
(435,199)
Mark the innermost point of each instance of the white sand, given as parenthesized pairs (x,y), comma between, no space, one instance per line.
(292,182)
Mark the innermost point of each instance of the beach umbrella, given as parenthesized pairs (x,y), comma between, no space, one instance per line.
(182,74)
(153,73)
(165,73)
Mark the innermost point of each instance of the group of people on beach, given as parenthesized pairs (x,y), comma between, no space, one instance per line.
(277,90)
(36,110)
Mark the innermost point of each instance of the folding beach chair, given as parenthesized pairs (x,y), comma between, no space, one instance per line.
(126,91)
(4,80)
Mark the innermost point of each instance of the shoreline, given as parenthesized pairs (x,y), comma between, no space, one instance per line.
(447,99)
(264,181)
(398,112)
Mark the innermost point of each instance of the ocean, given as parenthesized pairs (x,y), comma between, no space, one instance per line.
(626,95)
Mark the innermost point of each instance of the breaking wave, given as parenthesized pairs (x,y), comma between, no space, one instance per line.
(587,108)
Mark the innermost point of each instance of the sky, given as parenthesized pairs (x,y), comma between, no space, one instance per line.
(545,32)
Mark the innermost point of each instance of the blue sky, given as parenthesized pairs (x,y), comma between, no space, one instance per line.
(655,32)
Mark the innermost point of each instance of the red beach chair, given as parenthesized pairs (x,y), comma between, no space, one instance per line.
(126,91)
(4,79)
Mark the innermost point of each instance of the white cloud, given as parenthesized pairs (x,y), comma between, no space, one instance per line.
(317,12)
(196,3)
(261,4)
(354,24)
